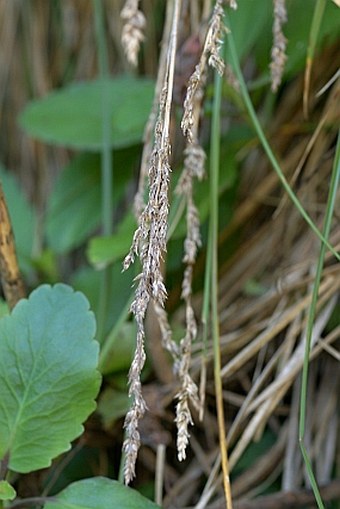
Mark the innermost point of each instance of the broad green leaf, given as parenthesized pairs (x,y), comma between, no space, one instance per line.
(88,281)
(99,493)
(7,492)
(72,116)
(121,350)
(105,250)
(23,218)
(74,207)
(112,405)
(48,375)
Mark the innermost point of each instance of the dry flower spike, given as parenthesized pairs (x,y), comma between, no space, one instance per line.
(133,30)
(279,56)
(149,243)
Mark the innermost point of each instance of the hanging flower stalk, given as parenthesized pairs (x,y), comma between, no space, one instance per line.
(193,169)
(149,243)
(211,55)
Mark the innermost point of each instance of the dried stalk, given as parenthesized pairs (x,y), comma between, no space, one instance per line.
(211,55)
(149,243)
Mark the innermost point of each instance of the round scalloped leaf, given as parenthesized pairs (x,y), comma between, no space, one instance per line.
(99,493)
(48,375)
(72,116)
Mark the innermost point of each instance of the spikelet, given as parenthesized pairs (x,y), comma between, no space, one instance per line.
(133,30)
(210,54)
(149,244)
(278,53)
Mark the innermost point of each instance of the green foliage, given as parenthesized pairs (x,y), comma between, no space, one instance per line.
(48,375)
(73,211)
(22,216)
(105,250)
(112,405)
(87,281)
(120,354)
(7,492)
(72,116)
(74,206)
(97,493)
(254,32)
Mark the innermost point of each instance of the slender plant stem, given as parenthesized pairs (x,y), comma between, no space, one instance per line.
(214,178)
(313,37)
(266,146)
(310,322)
(106,160)
(205,320)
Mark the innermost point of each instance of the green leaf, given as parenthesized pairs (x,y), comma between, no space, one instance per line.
(22,216)
(48,375)
(99,493)
(73,116)
(105,250)
(87,281)
(74,206)
(7,492)
(112,405)
(121,350)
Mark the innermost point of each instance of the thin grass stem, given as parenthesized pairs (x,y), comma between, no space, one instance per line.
(310,321)
(213,249)
(106,161)
(205,320)
(266,146)
(313,37)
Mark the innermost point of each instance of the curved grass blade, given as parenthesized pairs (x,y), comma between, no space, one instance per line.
(213,258)
(313,37)
(310,322)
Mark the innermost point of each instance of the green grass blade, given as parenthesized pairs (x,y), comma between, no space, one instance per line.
(313,37)
(106,161)
(267,148)
(311,317)
(213,258)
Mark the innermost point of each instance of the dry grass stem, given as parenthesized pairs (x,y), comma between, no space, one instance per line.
(139,201)
(133,30)
(279,56)
(210,54)
(149,243)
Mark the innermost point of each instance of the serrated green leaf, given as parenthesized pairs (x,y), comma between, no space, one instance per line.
(100,493)
(73,116)
(7,492)
(48,375)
